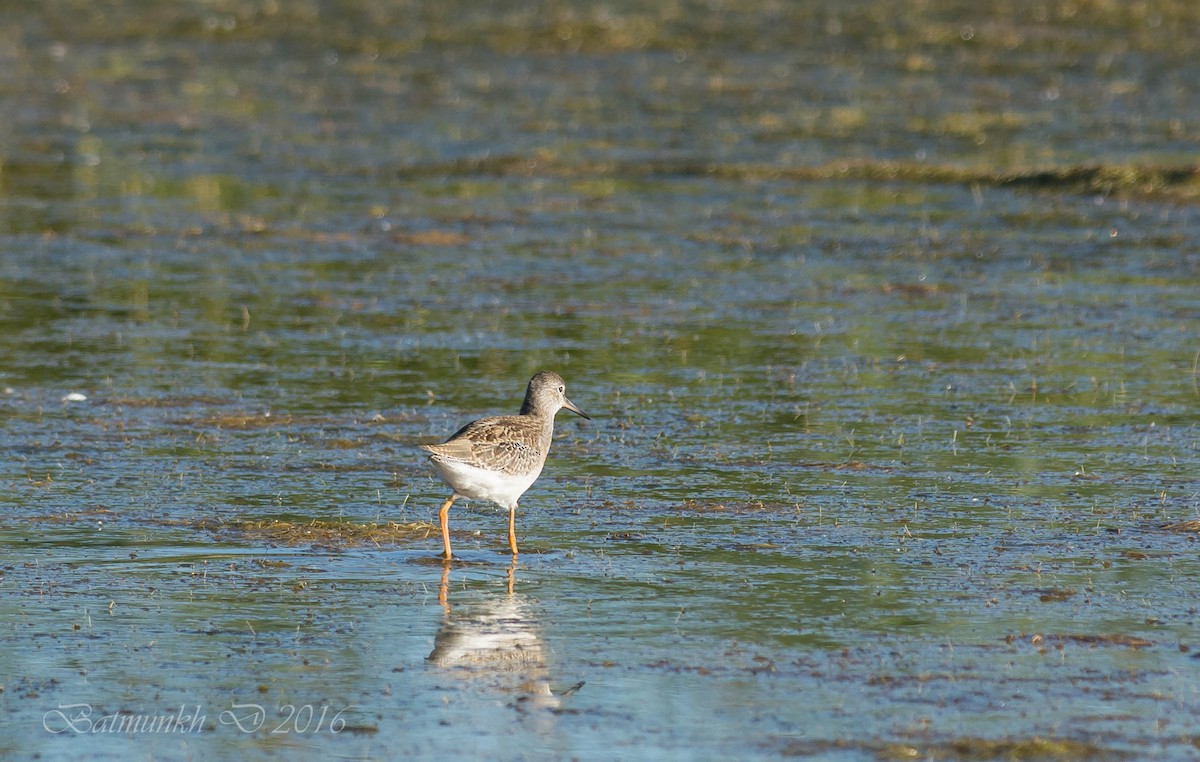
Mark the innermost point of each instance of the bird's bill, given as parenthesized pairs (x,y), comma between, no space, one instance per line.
(569,405)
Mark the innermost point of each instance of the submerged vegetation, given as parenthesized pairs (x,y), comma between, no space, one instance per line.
(317,533)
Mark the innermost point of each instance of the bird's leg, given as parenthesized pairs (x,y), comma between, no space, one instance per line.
(512,528)
(444,517)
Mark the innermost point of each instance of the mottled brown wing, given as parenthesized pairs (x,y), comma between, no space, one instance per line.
(508,444)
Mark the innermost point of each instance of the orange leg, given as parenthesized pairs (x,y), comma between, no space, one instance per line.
(512,528)
(444,517)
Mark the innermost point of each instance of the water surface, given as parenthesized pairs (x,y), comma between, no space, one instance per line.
(886,318)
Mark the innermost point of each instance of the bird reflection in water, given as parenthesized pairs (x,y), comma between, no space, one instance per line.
(496,643)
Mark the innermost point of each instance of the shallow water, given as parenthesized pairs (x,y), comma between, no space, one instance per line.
(887,322)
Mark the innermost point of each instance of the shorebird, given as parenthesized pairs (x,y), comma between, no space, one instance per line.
(498,458)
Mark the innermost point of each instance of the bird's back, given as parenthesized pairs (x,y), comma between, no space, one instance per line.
(508,444)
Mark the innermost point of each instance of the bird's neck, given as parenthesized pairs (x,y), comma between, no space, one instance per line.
(547,421)
(529,407)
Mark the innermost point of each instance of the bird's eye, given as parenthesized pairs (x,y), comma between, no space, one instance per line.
(562,389)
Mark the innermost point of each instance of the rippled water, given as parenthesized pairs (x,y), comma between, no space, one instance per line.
(887,319)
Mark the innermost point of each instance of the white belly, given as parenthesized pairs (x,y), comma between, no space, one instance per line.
(480,484)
